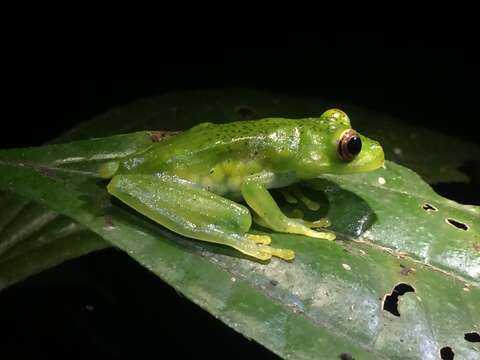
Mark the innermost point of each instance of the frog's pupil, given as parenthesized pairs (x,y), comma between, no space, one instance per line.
(354,145)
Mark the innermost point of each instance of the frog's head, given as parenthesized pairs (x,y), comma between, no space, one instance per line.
(330,145)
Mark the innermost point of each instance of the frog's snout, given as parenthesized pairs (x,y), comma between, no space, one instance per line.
(370,158)
(375,158)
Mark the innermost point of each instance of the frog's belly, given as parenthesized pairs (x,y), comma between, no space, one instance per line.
(224,178)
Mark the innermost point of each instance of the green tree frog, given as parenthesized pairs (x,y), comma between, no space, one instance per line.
(190,183)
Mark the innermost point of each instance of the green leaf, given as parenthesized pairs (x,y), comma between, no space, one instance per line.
(406,216)
(330,299)
(34,238)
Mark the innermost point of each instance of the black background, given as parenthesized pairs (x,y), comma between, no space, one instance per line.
(52,82)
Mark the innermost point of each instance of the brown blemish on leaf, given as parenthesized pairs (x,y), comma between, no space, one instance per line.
(273,282)
(108,222)
(246,113)
(476,246)
(157,136)
(46,171)
(402,255)
(405,270)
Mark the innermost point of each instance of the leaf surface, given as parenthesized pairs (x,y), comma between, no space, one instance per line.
(395,234)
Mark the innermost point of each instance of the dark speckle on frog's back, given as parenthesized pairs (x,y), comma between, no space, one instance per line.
(251,128)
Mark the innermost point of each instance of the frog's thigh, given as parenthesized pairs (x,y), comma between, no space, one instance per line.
(260,200)
(189,211)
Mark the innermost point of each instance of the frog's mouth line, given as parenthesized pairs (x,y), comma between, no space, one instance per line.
(373,166)
(368,166)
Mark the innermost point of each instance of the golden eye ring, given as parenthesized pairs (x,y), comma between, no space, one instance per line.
(349,145)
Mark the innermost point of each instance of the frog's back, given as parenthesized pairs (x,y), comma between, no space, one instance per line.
(218,156)
(236,137)
(231,132)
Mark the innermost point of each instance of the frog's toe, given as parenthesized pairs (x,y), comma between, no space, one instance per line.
(287,195)
(302,228)
(320,223)
(296,214)
(262,254)
(260,239)
(257,247)
(265,252)
(320,234)
(285,254)
(250,248)
(309,203)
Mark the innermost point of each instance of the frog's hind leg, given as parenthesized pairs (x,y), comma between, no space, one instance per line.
(193,212)
(269,215)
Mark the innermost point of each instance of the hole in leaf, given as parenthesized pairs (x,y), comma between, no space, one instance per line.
(428,207)
(446,353)
(457,224)
(472,337)
(390,303)
(345,356)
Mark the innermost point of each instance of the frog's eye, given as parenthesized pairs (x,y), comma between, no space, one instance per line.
(350,145)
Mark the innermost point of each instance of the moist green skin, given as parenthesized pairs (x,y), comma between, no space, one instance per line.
(187,182)
(220,157)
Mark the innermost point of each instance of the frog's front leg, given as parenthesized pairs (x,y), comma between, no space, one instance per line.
(193,212)
(270,215)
